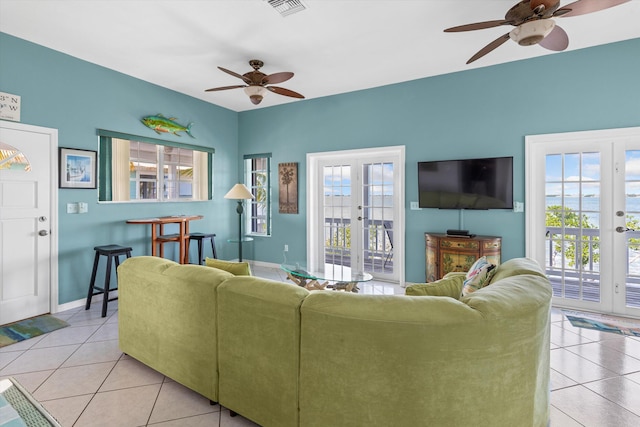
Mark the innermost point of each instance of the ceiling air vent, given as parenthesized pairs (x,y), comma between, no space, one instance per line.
(287,7)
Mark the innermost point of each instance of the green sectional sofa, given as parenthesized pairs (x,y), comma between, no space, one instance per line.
(283,356)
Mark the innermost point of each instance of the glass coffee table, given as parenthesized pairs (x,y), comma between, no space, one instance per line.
(342,278)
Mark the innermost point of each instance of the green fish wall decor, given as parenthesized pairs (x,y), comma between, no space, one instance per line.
(161,124)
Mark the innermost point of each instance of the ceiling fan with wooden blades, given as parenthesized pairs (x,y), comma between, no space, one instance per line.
(533,23)
(256,83)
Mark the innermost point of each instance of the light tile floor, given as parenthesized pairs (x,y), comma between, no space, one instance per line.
(82,378)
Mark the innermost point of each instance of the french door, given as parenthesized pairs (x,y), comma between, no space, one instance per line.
(356,200)
(583,194)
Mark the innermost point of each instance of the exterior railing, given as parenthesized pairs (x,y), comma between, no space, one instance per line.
(378,253)
(579,238)
(582,279)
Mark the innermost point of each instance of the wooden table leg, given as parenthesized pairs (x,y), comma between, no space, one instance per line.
(310,284)
(184,231)
(154,235)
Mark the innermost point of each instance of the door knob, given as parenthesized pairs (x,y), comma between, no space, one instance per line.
(43,232)
(622,229)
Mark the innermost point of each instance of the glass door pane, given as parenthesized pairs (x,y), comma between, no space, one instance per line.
(572,210)
(376,210)
(337,214)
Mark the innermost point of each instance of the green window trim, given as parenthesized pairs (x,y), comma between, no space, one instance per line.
(106,173)
(120,135)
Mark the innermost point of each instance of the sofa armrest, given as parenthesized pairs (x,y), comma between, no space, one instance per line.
(449,286)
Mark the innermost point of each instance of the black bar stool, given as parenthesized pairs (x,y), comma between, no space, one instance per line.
(200,238)
(111,252)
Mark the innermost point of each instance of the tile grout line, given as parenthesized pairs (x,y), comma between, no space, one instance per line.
(155,401)
(568,416)
(93,395)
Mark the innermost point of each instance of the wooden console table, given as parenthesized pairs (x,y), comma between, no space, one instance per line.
(445,253)
(158,238)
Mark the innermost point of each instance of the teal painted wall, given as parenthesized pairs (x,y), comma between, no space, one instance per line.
(77,97)
(481,112)
(477,113)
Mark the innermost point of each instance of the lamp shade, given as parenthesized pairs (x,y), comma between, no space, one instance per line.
(239,192)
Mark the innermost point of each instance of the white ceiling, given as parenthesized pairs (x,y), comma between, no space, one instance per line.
(334,46)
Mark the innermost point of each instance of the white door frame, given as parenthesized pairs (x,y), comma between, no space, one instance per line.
(53,214)
(535,219)
(315,212)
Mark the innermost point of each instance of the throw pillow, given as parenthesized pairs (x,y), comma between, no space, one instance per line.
(479,276)
(235,268)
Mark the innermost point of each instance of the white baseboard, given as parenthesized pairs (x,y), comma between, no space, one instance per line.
(96,299)
(263,264)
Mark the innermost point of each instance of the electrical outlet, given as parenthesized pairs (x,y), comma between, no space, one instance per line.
(286,248)
(415,206)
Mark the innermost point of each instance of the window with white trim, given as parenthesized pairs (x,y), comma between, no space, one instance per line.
(258,179)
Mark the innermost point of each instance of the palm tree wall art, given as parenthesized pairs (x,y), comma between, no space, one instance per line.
(288,188)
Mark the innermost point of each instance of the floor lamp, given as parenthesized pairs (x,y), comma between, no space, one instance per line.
(239,192)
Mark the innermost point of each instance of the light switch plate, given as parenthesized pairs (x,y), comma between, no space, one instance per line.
(83,207)
(518,206)
(72,208)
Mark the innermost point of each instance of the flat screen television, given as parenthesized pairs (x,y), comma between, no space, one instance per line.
(466,184)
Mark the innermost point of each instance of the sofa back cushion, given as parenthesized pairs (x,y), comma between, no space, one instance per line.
(167,319)
(516,266)
(259,347)
(427,357)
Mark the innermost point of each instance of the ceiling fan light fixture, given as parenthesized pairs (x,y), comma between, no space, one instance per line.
(532,32)
(255,93)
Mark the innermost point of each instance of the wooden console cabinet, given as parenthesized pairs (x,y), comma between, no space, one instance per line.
(446,253)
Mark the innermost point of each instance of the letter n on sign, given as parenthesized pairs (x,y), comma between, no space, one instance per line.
(9,107)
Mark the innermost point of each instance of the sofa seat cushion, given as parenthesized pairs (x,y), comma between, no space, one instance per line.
(235,268)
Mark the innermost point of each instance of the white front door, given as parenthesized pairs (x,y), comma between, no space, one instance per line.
(26,221)
(357,216)
(583,193)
